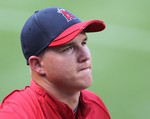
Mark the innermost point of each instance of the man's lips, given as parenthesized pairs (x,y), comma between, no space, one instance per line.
(84,68)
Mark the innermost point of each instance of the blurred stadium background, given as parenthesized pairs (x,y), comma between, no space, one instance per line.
(121,53)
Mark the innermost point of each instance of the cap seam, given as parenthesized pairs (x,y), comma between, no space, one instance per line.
(40,26)
(45,33)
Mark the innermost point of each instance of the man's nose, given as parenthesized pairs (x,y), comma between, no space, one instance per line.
(84,54)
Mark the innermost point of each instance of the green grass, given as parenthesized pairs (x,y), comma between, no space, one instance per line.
(121,53)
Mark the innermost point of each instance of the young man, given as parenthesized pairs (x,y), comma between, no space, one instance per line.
(54,44)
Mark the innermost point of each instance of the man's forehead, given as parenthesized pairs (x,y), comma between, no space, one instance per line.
(80,37)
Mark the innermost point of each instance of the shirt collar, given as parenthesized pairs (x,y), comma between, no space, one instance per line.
(62,108)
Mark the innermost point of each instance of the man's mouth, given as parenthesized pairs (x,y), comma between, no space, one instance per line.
(84,68)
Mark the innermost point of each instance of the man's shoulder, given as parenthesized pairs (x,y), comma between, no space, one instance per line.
(19,98)
(87,94)
(93,99)
(18,104)
(16,95)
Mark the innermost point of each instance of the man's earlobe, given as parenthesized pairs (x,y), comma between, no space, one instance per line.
(35,64)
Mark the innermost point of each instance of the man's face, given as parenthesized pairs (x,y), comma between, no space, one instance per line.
(68,67)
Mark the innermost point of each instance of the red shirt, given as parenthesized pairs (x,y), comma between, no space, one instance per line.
(35,103)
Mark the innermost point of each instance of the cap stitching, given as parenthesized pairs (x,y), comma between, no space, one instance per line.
(45,34)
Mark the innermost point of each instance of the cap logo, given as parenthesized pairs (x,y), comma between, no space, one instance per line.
(66,14)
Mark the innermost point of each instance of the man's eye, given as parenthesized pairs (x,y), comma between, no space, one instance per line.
(84,43)
(67,49)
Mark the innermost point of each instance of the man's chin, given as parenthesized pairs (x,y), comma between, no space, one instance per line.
(87,83)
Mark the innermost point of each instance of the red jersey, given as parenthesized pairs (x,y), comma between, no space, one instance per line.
(35,103)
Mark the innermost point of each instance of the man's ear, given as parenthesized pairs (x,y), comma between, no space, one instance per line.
(35,64)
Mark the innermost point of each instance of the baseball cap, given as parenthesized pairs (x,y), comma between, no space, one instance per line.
(52,27)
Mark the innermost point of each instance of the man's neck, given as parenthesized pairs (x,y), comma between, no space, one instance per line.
(71,99)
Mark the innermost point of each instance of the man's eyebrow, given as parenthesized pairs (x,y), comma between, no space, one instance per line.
(72,43)
(86,39)
(62,46)
(68,44)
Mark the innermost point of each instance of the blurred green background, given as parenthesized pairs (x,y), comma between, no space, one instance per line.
(121,53)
